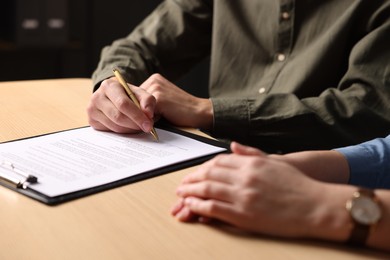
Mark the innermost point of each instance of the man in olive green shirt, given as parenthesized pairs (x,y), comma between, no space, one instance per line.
(285,75)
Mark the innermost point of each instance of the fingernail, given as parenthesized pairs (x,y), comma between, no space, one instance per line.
(149,112)
(204,220)
(188,201)
(183,214)
(175,209)
(179,191)
(146,126)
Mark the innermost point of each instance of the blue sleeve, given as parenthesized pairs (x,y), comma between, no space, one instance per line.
(369,163)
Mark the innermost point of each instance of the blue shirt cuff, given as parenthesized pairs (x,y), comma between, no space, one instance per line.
(369,163)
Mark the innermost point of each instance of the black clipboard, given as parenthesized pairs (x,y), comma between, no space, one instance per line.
(55,200)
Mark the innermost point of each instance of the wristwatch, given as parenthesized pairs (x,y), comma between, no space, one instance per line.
(365,211)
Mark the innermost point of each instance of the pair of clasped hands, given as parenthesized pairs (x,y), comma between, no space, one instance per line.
(110,108)
(248,189)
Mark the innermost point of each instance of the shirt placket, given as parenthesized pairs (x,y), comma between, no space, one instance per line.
(285,34)
(284,39)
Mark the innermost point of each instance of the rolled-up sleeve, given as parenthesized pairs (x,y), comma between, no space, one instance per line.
(369,163)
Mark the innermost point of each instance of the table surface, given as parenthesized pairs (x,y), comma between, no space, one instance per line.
(128,222)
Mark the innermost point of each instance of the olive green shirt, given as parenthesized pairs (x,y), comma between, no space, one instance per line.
(285,75)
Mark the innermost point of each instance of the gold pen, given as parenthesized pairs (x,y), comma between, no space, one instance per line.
(123,82)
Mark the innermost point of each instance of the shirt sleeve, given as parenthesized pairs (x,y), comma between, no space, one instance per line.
(369,163)
(163,43)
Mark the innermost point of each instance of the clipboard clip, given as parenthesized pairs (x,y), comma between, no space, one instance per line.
(17,177)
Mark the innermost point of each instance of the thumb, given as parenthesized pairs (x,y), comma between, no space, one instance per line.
(245,150)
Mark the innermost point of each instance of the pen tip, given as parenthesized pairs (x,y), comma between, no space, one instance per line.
(154,133)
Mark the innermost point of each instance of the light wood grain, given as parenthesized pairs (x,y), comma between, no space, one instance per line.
(34,107)
(128,222)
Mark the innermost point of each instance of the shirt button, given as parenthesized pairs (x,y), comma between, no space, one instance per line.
(281,57)
(285,15)
(261,90)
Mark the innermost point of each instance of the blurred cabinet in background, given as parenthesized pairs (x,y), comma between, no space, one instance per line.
(35,22)
(63,38)
(40,39)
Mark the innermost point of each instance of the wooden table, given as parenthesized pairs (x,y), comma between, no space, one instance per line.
(129,222)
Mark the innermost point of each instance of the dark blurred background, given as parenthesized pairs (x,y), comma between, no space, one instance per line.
(43,39)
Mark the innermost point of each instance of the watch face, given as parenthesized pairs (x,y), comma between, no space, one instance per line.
(365,211)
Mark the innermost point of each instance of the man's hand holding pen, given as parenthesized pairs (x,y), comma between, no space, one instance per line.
(111,109)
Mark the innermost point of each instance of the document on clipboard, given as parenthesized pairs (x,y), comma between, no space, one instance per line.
(66,165)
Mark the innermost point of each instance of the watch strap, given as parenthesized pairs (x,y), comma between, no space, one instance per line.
(359,235)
